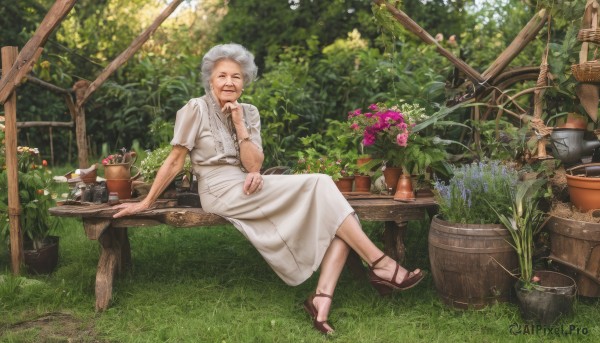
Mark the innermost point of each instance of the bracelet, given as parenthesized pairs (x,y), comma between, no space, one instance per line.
(247,138)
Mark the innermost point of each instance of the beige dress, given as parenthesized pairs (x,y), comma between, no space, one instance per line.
(291,221)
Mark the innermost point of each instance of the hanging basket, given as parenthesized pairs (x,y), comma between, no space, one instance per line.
(586,71)
(589,35)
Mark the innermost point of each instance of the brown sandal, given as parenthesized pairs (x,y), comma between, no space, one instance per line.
(385,287)
(310,308)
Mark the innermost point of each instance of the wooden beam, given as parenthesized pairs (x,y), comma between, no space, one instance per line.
(526,35)
(9,56)
(48,86)
(31,51)
(25,124)
(413,27)
(126,55)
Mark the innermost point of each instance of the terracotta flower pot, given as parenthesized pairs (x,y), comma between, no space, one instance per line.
(362,183)
(391,176)
(344,184)
(584,191)
(362,161)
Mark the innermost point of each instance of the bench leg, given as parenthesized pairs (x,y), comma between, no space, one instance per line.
(393,240)
(125,250)
(115,254)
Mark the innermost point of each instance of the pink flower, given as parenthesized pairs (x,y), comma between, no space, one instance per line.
(373,107)
(368,139)
(402,139)
(354,126)
(355,113)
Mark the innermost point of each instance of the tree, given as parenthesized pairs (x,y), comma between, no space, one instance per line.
(267,26)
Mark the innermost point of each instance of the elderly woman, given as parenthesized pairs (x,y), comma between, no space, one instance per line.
(297,222)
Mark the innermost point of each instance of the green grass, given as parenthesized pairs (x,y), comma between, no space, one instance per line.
(210,285)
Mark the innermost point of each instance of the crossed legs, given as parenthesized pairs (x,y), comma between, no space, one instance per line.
(350,236)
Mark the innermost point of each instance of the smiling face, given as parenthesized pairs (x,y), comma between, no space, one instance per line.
(227,81)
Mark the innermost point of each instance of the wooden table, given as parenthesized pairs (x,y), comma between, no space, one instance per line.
(116,252)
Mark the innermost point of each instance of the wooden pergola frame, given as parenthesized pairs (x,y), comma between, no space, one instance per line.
(15,67)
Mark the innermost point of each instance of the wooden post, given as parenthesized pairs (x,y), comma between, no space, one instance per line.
(9,56)
(51,146)
(80,87)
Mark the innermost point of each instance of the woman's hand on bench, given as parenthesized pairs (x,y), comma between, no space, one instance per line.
(130,208)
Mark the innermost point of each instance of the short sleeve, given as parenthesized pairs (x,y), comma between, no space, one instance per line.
(253,123)
(187,124)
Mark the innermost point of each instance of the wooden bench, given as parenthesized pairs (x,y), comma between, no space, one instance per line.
(116,252)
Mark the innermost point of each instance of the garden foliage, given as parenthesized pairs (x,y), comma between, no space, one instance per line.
(467,197)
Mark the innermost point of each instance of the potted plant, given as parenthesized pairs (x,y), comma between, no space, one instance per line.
(34,183)
(543,296)
(342,173)
(468,246)
(394,136)
(329,153)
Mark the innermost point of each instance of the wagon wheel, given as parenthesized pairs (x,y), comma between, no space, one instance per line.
(504,98)
(511,97)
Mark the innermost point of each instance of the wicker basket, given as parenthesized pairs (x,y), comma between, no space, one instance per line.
(589,35)
(587,71)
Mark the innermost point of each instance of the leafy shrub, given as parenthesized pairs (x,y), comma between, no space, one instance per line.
(34,183)
(154,159)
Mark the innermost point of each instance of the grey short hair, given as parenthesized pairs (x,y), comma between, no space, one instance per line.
(231,51)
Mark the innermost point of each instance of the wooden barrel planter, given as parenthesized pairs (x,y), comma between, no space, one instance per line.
(575,245)
(469,263)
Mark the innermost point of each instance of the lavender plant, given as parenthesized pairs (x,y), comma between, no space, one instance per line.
(474,187)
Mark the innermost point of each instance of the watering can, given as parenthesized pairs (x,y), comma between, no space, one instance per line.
(568,145)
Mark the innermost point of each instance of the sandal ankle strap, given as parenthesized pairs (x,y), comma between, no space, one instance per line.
(323,295)
(377,261)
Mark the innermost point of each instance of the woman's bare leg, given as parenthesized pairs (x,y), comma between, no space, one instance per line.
(351,233)
(331,268)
